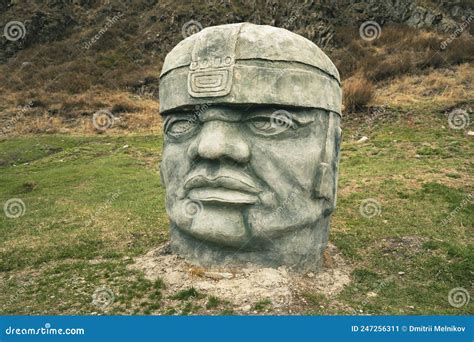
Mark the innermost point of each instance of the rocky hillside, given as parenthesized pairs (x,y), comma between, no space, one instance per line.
(73,57)
(157,25)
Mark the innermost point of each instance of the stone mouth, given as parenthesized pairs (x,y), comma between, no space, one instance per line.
(222,195)
(226,182)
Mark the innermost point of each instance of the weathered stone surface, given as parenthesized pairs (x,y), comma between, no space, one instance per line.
(251,150)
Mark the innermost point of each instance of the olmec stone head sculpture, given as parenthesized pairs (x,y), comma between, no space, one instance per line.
(251,120)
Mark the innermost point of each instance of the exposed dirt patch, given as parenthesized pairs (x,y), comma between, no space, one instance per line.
(402,247)
(245,287)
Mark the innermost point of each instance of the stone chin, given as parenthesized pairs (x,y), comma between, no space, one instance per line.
(300,249)
(213,223)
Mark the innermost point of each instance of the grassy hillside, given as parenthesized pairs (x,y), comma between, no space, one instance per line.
(92,203)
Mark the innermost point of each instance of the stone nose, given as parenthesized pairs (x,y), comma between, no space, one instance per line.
(219,139)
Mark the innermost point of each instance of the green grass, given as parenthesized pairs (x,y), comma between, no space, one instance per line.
(415,195)
(93,204)
(187,294)
(213,302)
(262,305)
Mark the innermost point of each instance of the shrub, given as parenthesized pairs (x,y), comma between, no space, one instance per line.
(391,66)
(357,93)
(459,50)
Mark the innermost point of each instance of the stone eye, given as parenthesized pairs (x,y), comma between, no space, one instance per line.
(180,127)
(269,125)
(261,123)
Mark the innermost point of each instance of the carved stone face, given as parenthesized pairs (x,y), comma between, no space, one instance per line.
(242,178)
(251,147)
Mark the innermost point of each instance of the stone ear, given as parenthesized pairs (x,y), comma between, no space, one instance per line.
(327,172)
(324,182)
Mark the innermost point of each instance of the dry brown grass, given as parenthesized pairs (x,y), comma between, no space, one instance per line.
(357,93)
(398,51)
(63,113)
(444,86)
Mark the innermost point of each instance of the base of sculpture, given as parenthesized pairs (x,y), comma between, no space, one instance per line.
(243,288)
(300,250)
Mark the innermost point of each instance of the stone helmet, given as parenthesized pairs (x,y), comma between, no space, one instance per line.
(248,64)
